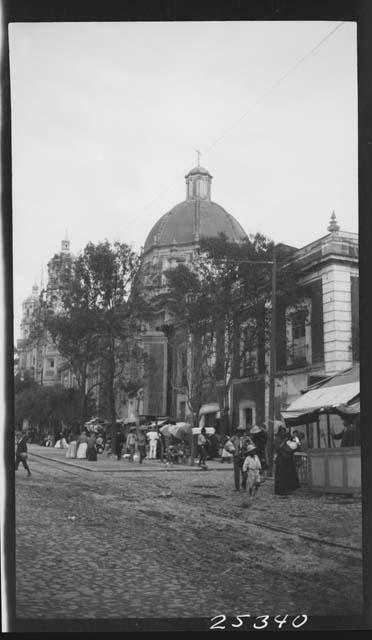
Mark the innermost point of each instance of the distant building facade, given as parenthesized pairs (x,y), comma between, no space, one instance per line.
(40,358)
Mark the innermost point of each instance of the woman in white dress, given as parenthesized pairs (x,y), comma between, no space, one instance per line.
(82,445)
(61,444)
(72,447)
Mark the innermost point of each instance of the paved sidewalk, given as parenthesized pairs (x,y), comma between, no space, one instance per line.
(109,463)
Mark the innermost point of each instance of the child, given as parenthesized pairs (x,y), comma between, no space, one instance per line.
(252,466)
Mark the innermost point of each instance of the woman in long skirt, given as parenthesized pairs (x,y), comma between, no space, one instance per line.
(91,448)
(71,450)
(82,445)
(286,478)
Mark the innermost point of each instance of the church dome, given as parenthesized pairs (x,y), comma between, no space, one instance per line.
(195,218)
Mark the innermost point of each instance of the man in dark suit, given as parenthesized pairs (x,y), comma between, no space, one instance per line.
(21,453)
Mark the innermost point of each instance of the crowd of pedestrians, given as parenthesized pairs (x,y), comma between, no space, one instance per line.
(246,448)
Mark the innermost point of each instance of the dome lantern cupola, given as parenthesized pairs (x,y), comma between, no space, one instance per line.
(198,183)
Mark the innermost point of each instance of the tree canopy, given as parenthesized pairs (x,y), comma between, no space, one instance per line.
(94,315)
(223,299)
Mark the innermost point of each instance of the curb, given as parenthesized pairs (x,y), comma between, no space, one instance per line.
(140,469)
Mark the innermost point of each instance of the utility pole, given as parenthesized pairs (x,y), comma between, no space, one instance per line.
(270,431)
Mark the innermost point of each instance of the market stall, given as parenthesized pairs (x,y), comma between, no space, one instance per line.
(326,417)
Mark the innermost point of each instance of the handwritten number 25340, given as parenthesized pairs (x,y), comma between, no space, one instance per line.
(280,620)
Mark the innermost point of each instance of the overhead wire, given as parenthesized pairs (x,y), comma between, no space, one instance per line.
(274,86)
(282,78)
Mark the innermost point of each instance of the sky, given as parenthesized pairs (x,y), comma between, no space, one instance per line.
(107,118)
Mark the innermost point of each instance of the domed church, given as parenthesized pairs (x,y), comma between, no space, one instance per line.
(195,218)
(173,240)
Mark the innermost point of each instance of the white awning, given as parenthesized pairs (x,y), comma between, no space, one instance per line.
(213,407)
(326,397)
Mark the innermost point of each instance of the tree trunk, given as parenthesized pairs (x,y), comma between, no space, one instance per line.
(111,391)
(225,421)
(111,383)
(84,403)
(83,407)
(225,415)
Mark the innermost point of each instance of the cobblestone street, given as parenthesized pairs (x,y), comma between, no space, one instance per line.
(144,542)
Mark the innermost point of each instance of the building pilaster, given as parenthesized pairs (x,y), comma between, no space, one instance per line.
(337,318)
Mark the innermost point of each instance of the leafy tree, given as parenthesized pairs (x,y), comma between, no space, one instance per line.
(223,300)
(24,382)
(98,319)
(47,407)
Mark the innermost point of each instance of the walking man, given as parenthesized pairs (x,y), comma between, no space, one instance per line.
(21,454)
(202,443)
(153,437)
(141,443)
(117,444)
(131,443)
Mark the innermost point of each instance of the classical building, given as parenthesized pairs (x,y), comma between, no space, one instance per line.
(40,358)
(29,357)
(322,336)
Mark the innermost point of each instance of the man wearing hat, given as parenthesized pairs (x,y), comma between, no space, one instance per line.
(237,445)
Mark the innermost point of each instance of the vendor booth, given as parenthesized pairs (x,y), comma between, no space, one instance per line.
(326,417)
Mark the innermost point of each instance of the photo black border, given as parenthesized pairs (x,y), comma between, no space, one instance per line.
(359,11)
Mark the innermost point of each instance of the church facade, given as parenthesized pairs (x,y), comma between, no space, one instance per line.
(174,239)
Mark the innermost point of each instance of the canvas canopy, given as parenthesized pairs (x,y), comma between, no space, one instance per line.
(213,407)
(339,394)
